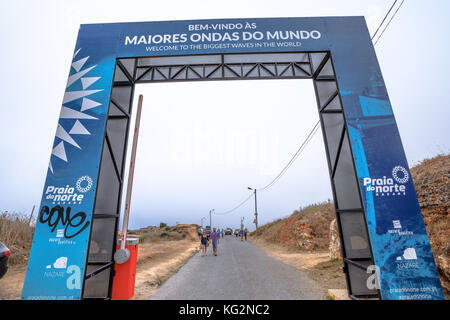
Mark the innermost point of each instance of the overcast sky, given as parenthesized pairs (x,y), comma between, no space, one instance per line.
(203,144)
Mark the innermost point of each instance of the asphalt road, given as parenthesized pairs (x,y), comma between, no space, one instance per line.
(240,271)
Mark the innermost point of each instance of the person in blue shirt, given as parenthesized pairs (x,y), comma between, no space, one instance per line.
(214,241)
(218,235)
(204,242)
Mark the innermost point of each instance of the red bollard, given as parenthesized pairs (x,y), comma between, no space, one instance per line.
(125,276)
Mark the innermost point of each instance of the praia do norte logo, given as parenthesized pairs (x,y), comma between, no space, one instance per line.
(387,186)
(67,194)
(60,217)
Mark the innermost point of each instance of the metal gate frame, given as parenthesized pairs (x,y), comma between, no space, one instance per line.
(364,149)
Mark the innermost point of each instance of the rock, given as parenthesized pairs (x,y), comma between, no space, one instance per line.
(335,245)
(443,265)
(304,237)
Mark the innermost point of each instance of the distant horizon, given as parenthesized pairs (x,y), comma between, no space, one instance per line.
(299,210)
(329,200)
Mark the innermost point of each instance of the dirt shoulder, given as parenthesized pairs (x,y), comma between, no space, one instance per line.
(12,282)
(157,262)
(316,265)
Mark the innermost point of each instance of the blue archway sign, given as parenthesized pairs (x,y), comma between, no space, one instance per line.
(399,247)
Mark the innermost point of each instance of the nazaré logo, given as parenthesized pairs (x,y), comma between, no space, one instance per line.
(408,260)
(388,186)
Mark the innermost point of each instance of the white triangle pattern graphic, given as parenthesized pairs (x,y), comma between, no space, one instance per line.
(88,81)
(89,104)
(62,134)
(77,65)
(78,128)
(74,95)
(75,54)
(60,152)
(78,75)
(67,113)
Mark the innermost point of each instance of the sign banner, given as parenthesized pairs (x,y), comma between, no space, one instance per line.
(397,233)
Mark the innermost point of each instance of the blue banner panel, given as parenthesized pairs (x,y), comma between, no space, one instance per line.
(397,233)
(57,261)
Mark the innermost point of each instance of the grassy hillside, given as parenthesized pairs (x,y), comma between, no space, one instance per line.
(432,182)
(306,229)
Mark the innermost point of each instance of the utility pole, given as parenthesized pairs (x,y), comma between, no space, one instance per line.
(210,222)
(256,208)
(256,213)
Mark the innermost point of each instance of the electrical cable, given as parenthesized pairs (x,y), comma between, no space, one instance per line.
(383,20)
(235,208)
(282,172)
(389,22)
(294,157)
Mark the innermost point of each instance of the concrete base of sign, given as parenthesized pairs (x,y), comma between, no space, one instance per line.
(338,294)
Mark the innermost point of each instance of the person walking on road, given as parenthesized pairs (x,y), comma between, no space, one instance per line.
(218,235)
(204,242)
(242,234)
(214,241)
(245,234)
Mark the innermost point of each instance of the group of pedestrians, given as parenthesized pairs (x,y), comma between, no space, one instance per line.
(243,234)
(212,238)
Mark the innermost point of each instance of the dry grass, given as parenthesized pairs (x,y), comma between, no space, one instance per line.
(306,229)
(16,231)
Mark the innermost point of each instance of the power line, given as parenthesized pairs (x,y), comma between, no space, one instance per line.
(235,208)
(294,157)
(282,172)
(384,19)
(389,22)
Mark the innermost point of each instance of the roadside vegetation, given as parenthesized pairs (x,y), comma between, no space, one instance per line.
(16,231)
(308,229)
